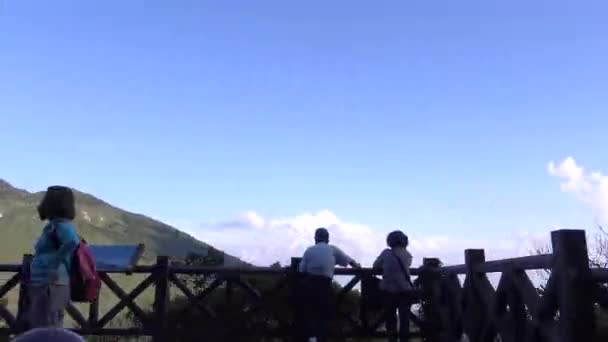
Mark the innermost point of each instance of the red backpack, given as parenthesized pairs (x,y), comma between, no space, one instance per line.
(84,280)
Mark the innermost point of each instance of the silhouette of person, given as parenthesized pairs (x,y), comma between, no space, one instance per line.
(396,285)
(49,285)
(317,266)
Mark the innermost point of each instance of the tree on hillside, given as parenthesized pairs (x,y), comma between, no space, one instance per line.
(598,255)
(597,251)
(213,258)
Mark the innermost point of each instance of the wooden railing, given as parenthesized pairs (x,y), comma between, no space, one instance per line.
(516,310)
(163,277)
(454,300)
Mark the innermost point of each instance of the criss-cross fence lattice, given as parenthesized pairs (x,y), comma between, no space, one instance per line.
(514,310)
(564,310)
(163,277)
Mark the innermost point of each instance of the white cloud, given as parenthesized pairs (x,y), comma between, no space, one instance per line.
(263,241)
(589,187)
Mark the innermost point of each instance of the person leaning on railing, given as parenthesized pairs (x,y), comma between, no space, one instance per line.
(396,285)
(49,283)
(317,266)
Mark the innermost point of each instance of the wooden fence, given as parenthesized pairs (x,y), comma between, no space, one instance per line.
(563,311)
(513,311)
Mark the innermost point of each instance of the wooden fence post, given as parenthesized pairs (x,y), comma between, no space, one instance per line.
(296,302)
(229,294)
(94,315)
(574,286)
(478,294)
(161,300)
(430,279)
(453,304)
(22,308)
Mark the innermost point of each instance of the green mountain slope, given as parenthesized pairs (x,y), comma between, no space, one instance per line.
(97,221)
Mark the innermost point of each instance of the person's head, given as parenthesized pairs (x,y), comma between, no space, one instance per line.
(397,239)
(50,335)
(321,235)
(58,202)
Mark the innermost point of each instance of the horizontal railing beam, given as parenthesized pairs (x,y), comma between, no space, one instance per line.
(455,269)
(126,270)
(10,267)
(208,270)
(111,332)
(600,275)
(196,270)
(532,262)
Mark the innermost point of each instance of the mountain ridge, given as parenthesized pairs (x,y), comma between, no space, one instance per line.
(99,222)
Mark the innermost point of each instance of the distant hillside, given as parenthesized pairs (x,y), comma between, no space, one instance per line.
(97,221)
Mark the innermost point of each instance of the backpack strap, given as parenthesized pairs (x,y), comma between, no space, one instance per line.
(405,272)
(56,241)
(54,236)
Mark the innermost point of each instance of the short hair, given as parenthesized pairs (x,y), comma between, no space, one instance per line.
(397,238)
(321,235)
(49,334)
(58,202)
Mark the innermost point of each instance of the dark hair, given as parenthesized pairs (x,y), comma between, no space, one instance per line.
(58,202)
(321,235)
(397,238)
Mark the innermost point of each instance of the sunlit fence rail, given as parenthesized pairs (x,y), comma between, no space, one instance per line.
(453,301)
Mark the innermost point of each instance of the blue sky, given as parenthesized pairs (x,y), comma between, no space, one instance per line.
(436,116)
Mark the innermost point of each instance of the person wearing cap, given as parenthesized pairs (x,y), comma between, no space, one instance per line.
(395,262)
(317,266)
(49,283)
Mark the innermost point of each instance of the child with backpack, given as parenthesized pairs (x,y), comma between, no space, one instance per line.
(63,268)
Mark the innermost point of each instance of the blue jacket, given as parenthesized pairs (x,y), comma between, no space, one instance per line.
(51,263)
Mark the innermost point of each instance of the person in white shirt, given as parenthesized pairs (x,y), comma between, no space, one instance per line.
(395,263)
(317,267)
